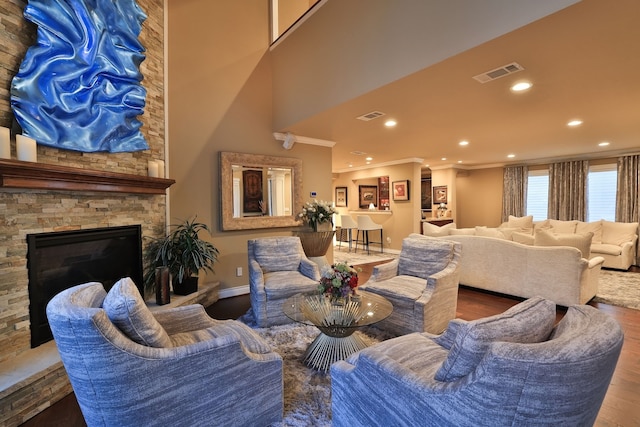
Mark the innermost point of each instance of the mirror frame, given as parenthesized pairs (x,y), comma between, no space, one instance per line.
(228,222)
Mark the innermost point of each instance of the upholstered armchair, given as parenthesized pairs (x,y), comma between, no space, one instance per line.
(512,369)
(131,367)
(422,285)
(278,269)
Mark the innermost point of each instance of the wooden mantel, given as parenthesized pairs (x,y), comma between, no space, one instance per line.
(19,174)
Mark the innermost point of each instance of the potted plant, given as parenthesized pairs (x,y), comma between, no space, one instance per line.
(184,253)
(318,216)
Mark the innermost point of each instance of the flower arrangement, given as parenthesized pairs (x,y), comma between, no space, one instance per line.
(338,280)
(317,212)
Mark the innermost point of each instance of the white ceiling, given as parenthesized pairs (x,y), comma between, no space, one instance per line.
(584,62)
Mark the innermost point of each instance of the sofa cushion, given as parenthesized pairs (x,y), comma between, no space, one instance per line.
(594,227)
(531,321)
(524,238)
(433,230)
(523,223)
(563,227)
(617,233)
(282,284)
(462,232)
(278,254)
(606,249)
(580,241)
(127,310)
(541,225)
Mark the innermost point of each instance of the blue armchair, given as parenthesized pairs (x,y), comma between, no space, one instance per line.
(506,370)
(278,269)
(422,285)
(129,367)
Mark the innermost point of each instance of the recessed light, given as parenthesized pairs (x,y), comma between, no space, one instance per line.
(511,156)
(521,86)
(603,144)
(368,159)
(444,158)
(459,161)
(350,165)
(574,123)
(463,143)
(368,163)
(390,123)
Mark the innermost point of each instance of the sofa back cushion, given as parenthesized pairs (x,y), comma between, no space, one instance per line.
(594,227)
(531,321)
(617,233)
(563,227)
(424,256)
(581,241)
(278,253)
(523,223)
(127,310)
(524,238)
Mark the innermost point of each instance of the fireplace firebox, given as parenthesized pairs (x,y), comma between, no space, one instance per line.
(60,260)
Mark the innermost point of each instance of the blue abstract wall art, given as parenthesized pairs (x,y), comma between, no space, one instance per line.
(79,87)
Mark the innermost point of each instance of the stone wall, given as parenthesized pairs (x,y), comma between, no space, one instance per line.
(34,211)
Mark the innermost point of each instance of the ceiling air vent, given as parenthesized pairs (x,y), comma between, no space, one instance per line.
(370,116)
(358,153)
(514,67)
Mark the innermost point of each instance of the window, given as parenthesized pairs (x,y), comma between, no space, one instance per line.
(538,194)
(602,184)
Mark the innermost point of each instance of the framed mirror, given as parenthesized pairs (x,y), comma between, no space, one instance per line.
(259,191)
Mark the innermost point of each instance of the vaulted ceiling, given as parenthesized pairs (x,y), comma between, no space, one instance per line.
(583,61)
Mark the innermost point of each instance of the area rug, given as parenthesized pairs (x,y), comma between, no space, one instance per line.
(307,393)
(619,288)
(360,257)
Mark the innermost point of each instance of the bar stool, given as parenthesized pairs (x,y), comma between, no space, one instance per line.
(366,224)
(347,224)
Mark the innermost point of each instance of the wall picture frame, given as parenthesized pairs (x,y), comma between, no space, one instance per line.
(400,190)
(341,197)
(367,194)
(440,194)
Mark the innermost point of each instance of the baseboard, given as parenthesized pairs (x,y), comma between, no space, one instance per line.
(233,292)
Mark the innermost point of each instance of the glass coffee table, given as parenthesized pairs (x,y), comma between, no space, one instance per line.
(337,321)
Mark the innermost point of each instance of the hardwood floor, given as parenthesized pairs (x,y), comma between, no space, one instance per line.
(621,406)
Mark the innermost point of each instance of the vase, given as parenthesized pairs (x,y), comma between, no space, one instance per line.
(163,295)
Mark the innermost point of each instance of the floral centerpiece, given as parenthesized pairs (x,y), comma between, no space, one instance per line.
(317,212)
(338,280)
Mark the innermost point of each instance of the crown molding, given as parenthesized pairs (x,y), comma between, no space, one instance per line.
(383,164)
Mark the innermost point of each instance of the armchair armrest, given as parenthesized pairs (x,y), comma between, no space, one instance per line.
(385,271)
(309,268)
(183,319)
(256,276)
(595,261)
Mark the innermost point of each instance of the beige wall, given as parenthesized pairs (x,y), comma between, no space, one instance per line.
(220,99)
(479,197)
(404,218)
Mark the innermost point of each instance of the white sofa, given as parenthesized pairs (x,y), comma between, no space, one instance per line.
(616,242)
(558,273)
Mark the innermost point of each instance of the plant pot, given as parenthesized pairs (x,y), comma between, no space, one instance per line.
(188,286)
(315,243)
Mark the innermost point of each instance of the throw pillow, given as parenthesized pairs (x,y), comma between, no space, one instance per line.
(433,230)
(563,227)
(490,232)
(462,232)
(541,225)
(617,233)
(524,238)
(531,321)
(523,223)
(581,241)
(127,310)
(594,227)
